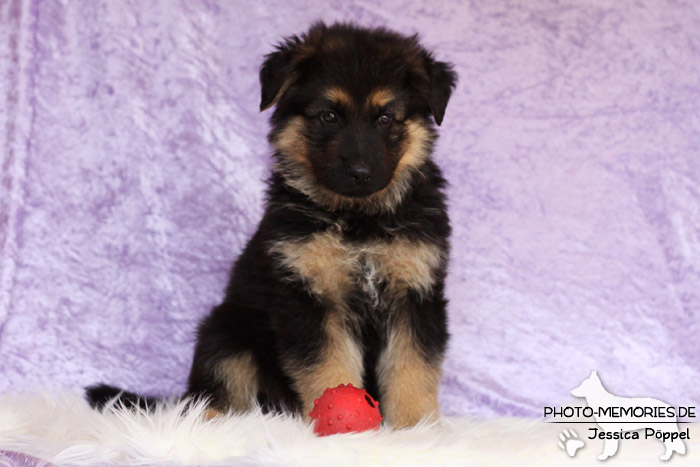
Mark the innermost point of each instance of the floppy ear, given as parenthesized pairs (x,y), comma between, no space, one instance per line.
(277,73)
(441,81)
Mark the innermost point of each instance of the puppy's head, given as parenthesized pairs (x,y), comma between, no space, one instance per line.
(353,112)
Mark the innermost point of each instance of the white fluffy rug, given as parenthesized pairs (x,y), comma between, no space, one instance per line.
(64,430)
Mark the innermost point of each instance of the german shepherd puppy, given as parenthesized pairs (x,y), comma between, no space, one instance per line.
(343,282)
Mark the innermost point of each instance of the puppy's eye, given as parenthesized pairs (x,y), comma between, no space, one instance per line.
(385,119)
(329,116)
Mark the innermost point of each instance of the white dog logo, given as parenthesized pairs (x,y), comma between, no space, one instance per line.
(598,397)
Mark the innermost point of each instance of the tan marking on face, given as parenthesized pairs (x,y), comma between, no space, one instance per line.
(291,142)
(340,363)
(240,377)
(416,146)
(298,173)
(323,261)
(408,382)
(339,96)
(380,97)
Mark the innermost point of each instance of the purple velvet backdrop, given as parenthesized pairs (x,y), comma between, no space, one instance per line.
(133,159)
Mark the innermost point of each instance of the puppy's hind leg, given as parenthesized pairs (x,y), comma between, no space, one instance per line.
(224,370)
(239,375)
(230,383)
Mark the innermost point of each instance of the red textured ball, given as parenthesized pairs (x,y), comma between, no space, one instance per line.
(345,409)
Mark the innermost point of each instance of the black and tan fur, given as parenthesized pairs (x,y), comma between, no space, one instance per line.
(343,282)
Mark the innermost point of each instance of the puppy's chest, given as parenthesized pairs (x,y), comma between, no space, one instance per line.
(379,270)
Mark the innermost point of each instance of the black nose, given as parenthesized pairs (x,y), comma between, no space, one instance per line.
(360,173)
